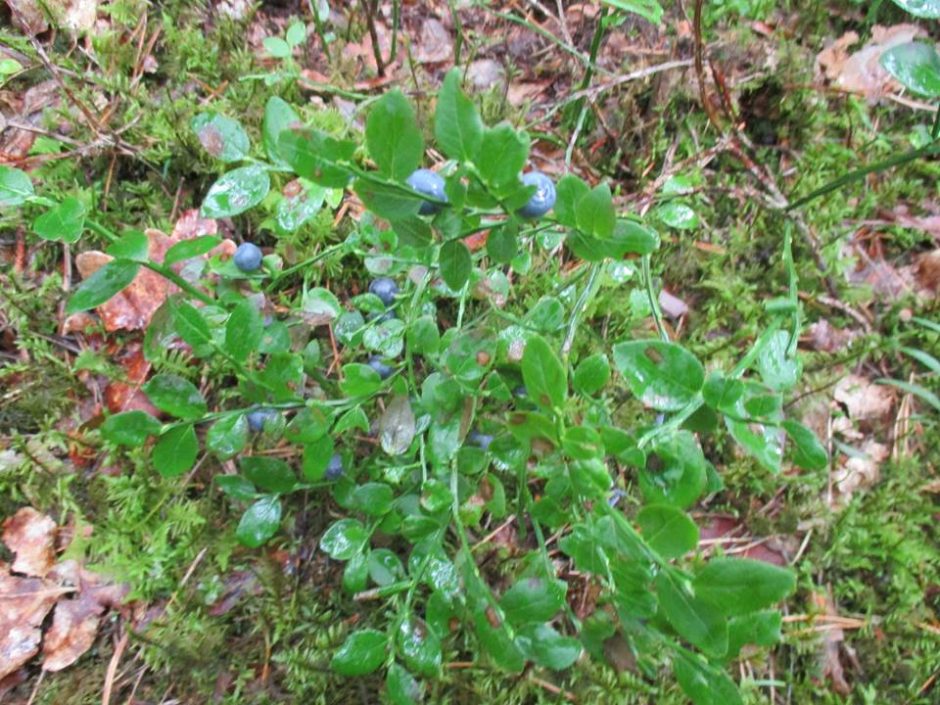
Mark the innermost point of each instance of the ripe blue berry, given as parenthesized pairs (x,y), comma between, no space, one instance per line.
(375,362)
(334,468)
(480,440)
(542,200)
(257,418)
(385,288)
(248,257)
(428,183)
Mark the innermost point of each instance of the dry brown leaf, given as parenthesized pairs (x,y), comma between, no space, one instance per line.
(829,660)
(28,16)
(927,271)
(31,536)
(863,399)
(862,72)
(24,605)
(125,395)
(859,472)
(825,337)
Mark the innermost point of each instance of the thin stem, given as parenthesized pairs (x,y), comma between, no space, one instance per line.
(590,289)
(653,299)
(332,249)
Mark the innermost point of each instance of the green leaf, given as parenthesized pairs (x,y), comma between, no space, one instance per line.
(419,647)
(130,428)
(317,157)
(533,600)
(737,586)
(502,243)
(546,647)
(228,436)
(222,137)
(190,325)
(722,393)
(503,155)
(695,620)
(545,377)
(669,531)
(344,539)
(401,687)
(496,640)
(928,9)
(362,653)
(236,487)
(385,567)
(277,47)
(394,203)
(763,441)
(244,330)
(296,33)
(677,215)
(317,456)
(677,472)
(456,264)
(595,213)
(592,374)
(236,192)
(808,452)
(65,222)
(301,200)
(393,137)
(8,67)
(663,375)
(547,316)
(586,549)
(187,249)
(259,522)
(102,285)
(278,117)
(132,245)
(703,683)
(458,128)
(270,474)
(779,371)
(916,65)
(175,451)
(15,187)
(649,10)
(569,191)
(359,380)
(352,419)
(176,396)
(373,498)
(758,628)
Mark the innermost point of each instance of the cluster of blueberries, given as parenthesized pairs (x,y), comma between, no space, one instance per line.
(429,183)
(248,258)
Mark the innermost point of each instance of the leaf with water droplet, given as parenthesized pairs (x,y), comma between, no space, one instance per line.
(397,426)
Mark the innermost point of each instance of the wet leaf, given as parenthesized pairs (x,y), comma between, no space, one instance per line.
(175,451)
(397,426)
(221,136)
(362,653)
(344,539)
(236,192)
(259,522)
(662,375)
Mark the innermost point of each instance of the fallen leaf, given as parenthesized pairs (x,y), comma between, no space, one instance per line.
(927,271)
(25,604)
(825,337)
(485,73)
(863,399)
(31,536)
(672,306)
(435,45)
(28,16)
(860,471)
(830,663)
(862,72)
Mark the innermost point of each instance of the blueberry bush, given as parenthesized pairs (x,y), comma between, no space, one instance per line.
(428,425)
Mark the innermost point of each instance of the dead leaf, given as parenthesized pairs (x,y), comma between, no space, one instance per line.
(28,16)
(672,306)
(24,605)
(435,45)
(830,663)
(927,271)
(31,536)
(860,471)
(125,395)
(825,337)
(862,72)
(484,74)
(863,399)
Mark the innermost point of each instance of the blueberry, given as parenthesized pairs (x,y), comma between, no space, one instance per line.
(520,392)
(334,468)
(248,257)
(426,182)
(385,288)
(375,362)
(542,200)
(257,418)
(481,440)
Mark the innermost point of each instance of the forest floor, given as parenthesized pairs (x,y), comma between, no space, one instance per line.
(786,100)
